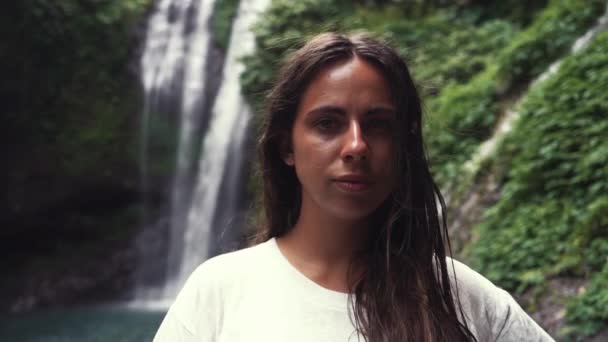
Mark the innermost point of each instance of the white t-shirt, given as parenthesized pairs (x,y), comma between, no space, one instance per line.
(256,295)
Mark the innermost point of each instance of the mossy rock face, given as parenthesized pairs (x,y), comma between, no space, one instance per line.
(224,13)
(551,218)
(73,114)
(547,38)
(588,313)
(70,131)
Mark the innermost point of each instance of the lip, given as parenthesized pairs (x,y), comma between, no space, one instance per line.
(353,183)
(353,178)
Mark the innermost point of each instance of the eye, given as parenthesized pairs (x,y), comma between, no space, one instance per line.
(378,125)
(326,124)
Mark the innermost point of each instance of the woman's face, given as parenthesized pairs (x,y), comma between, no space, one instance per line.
(342,143)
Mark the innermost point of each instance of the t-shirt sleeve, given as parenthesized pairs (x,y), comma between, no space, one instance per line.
(491,313)
(196,313)
(514,324)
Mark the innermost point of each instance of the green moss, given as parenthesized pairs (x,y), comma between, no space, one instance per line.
(521,13)
(162,145)
(550,219)
(460,119)
(73,115)
(587,313)
(443,46)
(224,13)
(549,37)
(286,26)
(84,99)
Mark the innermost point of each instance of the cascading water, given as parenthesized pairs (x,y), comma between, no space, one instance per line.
(227,130)
(174,62)
(173,77)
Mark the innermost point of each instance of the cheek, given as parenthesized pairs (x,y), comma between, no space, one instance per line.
(387,158)
(385,150)
(314,153)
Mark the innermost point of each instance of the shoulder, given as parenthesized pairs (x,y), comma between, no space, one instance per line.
(241,263)
(471,284)
(225,273)
(199,307)
(491,312)
(478,296)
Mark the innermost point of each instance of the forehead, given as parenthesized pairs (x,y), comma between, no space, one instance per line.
(349,84)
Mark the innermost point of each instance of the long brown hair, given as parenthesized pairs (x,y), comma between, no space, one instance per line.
(405,293)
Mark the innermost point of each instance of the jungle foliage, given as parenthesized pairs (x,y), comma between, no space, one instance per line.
(70,111)
(551,218)
(67,80)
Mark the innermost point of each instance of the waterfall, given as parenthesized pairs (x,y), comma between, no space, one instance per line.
(174,79)
(173,75)
(227,130)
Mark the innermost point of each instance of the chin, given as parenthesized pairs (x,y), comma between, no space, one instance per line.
(355,213)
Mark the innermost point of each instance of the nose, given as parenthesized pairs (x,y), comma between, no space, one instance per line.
(355,147)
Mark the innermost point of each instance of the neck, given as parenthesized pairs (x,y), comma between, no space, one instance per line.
(322,247)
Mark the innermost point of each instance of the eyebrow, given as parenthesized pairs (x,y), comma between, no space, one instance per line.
(325,109)
(339,110)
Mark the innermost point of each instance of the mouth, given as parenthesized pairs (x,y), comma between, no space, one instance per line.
(353,183)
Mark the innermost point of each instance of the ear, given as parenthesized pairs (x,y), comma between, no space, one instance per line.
(288,159)
(286,151)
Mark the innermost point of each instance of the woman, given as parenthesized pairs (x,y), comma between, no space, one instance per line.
(353,246)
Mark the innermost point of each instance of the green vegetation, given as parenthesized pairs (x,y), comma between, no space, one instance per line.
(221,22)
(588,312)
(551,218)
(465,115)
(71,111)
(549,36)
(72,97)
(468,112)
